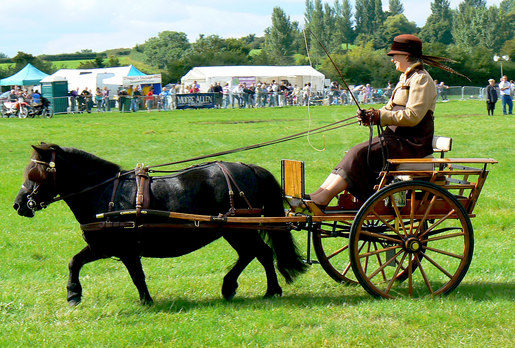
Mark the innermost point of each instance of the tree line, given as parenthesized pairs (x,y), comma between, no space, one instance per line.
(357,39)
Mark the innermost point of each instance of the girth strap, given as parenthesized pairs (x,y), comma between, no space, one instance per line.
(230,182)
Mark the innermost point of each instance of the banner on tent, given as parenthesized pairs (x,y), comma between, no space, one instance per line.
(195,100)
(247,80)
(144,79)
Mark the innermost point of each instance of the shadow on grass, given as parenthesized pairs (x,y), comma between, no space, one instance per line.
(484,291)
(181,304)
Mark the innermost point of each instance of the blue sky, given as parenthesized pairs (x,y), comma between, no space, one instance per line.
(65,26)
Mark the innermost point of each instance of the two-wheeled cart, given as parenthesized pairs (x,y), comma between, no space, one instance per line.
(413,237)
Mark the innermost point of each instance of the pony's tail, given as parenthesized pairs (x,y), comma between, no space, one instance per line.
(289,260)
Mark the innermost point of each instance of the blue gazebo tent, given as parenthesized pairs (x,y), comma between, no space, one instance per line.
(28,76)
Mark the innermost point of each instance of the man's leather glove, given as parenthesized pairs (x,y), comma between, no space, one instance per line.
(369,117)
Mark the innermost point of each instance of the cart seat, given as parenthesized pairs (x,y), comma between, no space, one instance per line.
(440,144)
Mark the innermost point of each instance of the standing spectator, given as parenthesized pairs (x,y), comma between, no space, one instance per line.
(122,97)
(163,98)
(106,105)
(258,94)
(173,97)
(306,93)
(218,90)
(226,98)
(236,95)
(36,98)
(368,93)
(443,91)
(74,94)
(505,88)
(98,99)
(149,100)
(275,94)
(491,97)
(136,94)
(282,94)
(86,94)
(248,93)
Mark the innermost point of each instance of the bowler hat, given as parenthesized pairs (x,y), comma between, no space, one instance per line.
(406,44)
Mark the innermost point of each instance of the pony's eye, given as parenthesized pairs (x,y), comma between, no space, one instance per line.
(35,175)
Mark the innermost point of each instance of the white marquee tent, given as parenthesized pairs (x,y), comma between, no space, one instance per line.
(296,75)
(112,78)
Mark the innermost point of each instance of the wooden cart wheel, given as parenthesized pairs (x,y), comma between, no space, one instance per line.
(331,242)
(422,234)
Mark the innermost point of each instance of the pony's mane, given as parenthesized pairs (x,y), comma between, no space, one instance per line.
(80,157)
(95,162)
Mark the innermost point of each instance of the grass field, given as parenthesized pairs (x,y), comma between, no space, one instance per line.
(189,311)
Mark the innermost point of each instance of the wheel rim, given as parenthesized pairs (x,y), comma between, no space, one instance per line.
(428,242)
(330,242)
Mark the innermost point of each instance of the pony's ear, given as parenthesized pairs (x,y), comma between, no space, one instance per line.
(44,148)
(56,148)
(40,149)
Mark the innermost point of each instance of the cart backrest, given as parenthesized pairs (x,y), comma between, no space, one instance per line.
(440,145)
(292,178)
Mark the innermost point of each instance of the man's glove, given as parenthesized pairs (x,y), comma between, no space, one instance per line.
(369,117)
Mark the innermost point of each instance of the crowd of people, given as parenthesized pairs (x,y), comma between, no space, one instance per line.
(30,96)
(252,95)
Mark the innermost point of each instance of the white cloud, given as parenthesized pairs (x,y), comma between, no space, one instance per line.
(56,26)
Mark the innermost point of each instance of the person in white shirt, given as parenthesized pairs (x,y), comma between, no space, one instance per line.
(506,88)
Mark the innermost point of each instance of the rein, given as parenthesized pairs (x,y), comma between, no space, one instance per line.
(51,167)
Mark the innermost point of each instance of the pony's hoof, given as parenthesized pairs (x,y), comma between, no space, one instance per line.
(229,297)
(74,302)
(229,291)
(146,302)
(273,293)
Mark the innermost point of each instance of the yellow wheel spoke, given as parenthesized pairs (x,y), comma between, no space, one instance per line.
(423,274)
(396,271)
(437,266)
(381,236)
(412,211)
(437,223)
(447,236)
(445,252)
(385,264)
(337,252)
(379,251)
(380,263)
(426,213)
(398,214)
(386,223)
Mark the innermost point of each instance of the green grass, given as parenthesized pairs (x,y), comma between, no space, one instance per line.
(189,310)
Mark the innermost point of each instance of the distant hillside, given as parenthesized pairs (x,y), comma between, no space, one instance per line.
(125,56)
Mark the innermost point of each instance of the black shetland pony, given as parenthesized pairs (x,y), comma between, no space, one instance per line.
(75,176)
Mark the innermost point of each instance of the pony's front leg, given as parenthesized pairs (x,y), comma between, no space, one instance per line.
(133,264)
(74,288)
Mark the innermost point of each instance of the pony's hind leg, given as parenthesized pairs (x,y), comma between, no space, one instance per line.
(266,257)
(249,245)
(133,264)
(74,288)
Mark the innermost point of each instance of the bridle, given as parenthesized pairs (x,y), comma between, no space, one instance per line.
(51,168)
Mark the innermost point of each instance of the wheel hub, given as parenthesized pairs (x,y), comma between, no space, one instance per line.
(412,245)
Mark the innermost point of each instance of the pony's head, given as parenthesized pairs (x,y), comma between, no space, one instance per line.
(39,187)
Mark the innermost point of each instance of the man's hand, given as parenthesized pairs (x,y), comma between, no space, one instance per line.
(369,117)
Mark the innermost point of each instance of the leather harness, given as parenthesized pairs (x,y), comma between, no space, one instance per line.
(142,202)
